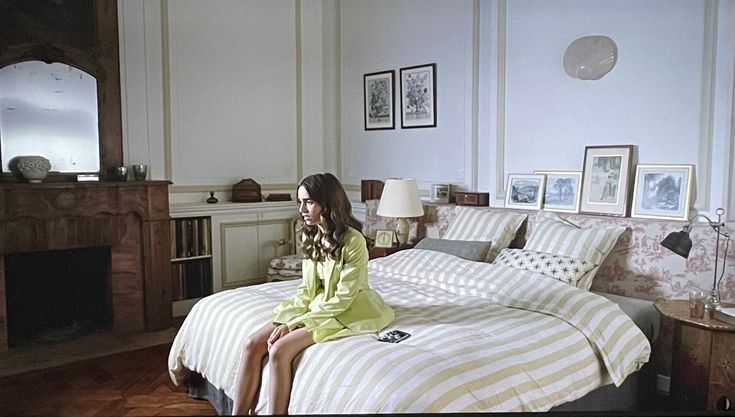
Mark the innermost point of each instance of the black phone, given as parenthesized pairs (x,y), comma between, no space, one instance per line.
(393,336)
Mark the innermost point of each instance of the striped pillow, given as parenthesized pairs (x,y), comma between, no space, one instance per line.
(485,225)
(553,234)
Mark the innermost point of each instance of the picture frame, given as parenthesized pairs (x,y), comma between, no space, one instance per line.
(562,190)
(606,178)
(524,191)
(385,238)
(663,191)
(418,96)
(439,193)
(379,100)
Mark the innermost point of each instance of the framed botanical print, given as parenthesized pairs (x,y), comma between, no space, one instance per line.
(606,180)
(662,191)
(562,190)
(439,193)
(379,98)
(418,96)
(524,191)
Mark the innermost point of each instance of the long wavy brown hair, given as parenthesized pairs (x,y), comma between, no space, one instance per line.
(336,215)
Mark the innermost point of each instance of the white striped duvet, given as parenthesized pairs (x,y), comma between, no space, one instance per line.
(484,338)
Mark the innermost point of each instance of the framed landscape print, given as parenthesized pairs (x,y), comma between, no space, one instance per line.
(418,96)
(562,190)
(663,191)
(524,191)
(379,99)
(605,180)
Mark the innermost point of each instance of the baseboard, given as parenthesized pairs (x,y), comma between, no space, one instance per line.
(662,384)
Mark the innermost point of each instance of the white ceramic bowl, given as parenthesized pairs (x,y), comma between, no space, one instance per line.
(34,168)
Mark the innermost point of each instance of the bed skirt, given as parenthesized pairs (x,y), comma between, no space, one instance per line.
(637,393)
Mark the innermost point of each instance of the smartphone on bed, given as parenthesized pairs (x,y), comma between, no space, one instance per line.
(393,336)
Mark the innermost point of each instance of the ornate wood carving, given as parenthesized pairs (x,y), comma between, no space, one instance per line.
(130,217)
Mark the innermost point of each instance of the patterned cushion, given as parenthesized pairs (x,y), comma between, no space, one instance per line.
(470,250)
(485,225)
(284,272)
(554,234)
(292,262)
(560,267)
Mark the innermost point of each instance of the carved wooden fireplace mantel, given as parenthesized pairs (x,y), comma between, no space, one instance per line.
(132,218)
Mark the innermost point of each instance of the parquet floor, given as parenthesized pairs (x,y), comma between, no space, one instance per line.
(134,383)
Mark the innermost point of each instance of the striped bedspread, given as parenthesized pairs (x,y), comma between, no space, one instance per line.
(484,338)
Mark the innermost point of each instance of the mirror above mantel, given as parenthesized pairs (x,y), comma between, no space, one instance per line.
(49,110)
(77,41)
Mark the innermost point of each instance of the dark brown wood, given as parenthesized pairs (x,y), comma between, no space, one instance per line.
(371,189)
(90,46)
(130,217)
(380,252)
(246,191)
(702,362)
(132,383)
(472,198)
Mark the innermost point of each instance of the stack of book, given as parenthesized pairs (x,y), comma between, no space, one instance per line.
(726,314)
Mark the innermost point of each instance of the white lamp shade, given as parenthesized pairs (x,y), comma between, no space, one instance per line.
(400,198)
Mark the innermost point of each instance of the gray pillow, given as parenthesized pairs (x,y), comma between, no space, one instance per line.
(472,250)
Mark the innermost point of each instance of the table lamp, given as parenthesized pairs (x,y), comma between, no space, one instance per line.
(681,244)
(400,199)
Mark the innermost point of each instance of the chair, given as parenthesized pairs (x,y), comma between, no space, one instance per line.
(288,266)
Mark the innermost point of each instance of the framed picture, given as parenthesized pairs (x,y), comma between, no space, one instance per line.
(384,238)
(379,98)
(418,96)
(662,191)
(439,193)
(606,179)
(562,190)
(524,191)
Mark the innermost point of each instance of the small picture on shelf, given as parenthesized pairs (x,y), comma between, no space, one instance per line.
(385,238)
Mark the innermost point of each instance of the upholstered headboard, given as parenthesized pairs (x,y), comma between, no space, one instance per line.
(638,265)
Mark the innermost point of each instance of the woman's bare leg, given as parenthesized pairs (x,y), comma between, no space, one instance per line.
(280,357)
(250,371)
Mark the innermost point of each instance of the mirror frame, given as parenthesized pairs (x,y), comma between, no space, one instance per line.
(101,61)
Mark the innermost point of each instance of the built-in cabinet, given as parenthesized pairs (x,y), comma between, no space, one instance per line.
(242,239)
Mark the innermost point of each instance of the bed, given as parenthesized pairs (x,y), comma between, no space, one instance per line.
(484,337)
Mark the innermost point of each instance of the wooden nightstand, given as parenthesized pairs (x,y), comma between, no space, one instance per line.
(380,252)
(702,361)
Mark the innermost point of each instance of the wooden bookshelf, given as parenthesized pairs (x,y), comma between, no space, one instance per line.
(191,257)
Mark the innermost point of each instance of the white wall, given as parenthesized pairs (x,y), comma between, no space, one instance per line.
(215,91)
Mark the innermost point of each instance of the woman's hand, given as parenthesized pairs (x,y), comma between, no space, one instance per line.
(277,333)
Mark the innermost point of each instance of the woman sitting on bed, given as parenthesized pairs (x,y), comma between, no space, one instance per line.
(333,300)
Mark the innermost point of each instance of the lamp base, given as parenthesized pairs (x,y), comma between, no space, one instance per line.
(714,302)
(402,231)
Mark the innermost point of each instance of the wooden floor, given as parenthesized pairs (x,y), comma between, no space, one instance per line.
(126,384)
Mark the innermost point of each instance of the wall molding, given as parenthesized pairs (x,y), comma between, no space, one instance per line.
(500,128)
(704,174)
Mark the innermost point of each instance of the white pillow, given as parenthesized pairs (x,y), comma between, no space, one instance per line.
(552,233)
(563,268)
(485,225)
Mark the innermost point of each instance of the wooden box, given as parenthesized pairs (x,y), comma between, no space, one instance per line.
(246,191)
(471,198)
(371,189)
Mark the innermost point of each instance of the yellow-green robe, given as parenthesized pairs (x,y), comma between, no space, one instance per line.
(341,305)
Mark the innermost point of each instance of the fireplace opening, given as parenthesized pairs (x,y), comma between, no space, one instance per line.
(56,296)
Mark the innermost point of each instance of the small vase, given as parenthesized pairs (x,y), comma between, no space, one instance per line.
(212,199)
(34,168)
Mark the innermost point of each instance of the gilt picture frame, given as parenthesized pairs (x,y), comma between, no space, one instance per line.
(379,99)
(663,191)
(418,96)
(606,180)
(562,190)
(525,191)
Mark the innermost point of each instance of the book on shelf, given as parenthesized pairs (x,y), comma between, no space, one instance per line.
(726,314)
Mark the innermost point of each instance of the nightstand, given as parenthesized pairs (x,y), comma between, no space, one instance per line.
(702,361)
(380,252)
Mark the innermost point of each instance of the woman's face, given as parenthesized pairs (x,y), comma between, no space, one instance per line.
(310,210)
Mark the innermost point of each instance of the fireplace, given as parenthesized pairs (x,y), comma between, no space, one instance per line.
(123,227)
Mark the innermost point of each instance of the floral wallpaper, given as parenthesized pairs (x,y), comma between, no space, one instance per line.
(638,266)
